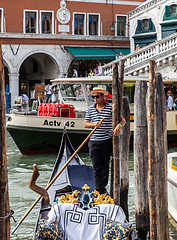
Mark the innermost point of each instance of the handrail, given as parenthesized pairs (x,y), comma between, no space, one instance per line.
(139,59)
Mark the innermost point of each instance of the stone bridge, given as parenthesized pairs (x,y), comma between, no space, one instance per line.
(164,52)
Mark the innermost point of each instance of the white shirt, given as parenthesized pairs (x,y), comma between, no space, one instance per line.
(80,224)
(25,98)
(50,90)
(169,102)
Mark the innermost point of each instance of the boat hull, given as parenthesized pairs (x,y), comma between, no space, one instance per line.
(34,135)
(172,185)
(172,199)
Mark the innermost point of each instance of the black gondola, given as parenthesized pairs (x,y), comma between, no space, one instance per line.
(73,177)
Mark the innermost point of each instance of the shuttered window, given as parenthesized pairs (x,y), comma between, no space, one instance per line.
(170,12)
(79,24)
(93,24)
(121,25)
(46,22)
(145,25)
(30,22)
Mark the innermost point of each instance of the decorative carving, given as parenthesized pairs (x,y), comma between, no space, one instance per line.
(101,199)
(69,198)
(62,4)
(85,199)
(85,187)
(63,15)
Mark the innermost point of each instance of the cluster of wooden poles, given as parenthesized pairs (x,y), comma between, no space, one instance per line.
(150,155)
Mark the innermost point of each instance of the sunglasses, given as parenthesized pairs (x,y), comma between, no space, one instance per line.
(96,96)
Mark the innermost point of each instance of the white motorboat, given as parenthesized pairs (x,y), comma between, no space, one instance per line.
(172,185)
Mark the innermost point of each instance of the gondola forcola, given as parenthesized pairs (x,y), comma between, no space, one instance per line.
(68,155)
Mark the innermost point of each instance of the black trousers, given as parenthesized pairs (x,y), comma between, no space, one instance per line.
(100,152)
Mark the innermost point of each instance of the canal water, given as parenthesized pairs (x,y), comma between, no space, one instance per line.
(21,197)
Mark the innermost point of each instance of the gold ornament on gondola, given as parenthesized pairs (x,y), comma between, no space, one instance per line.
(69,198)
(77,197)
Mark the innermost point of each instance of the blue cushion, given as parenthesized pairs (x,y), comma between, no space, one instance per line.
(50,231)
(116,231)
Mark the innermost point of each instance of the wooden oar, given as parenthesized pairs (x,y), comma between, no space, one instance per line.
(56,176)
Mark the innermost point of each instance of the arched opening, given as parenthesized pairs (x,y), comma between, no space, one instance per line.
(37,68)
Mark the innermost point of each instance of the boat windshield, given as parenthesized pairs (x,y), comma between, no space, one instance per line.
(129,90)
(107,87)
(174,160)
(72,92)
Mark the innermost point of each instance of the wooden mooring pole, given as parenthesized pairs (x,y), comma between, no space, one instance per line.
(151,153)
(141,160)
(160,137)
(117,93)
(124,143)
(4,198)
(157,147)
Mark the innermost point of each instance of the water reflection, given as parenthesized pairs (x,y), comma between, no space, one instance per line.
(21,197)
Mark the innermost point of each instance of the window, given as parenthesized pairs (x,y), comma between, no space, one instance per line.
(170,12)
(30,22)
(145,24)
(121,25)
(173,9)
(93,24)
(79,22)
(46,22)
(72,92)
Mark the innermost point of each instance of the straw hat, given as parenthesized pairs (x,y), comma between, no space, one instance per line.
(98,90)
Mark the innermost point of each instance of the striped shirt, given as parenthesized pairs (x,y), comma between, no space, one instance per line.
(104,132)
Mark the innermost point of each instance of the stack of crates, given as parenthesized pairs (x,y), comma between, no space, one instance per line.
(56,110)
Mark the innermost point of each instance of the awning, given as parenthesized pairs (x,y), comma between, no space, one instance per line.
(96,53)
(125,51)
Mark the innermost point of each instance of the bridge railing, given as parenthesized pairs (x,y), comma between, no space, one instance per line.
(137,59)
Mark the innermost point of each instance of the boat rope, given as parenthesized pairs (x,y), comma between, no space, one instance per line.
(8,215)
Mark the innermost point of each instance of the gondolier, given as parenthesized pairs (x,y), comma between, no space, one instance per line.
(100,144)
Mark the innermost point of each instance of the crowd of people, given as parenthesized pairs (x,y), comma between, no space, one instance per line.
(93,70)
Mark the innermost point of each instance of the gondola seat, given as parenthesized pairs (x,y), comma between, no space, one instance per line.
(50,231)
(86,215)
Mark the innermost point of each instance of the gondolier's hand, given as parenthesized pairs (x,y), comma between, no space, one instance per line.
(98,124)
(118,127)
(93,124)
(116,130)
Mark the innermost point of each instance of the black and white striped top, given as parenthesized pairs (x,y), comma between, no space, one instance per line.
(104,132)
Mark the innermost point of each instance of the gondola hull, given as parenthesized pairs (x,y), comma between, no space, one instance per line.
(73,177)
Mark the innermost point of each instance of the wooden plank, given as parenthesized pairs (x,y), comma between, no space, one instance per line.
(124,144)
(160,136)
(151,153)
(141,160)
(117,96)
(4,197)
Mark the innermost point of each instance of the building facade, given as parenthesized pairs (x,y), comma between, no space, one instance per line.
(43,40)
(152,21)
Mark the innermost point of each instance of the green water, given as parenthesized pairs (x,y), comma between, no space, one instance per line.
(21,197)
